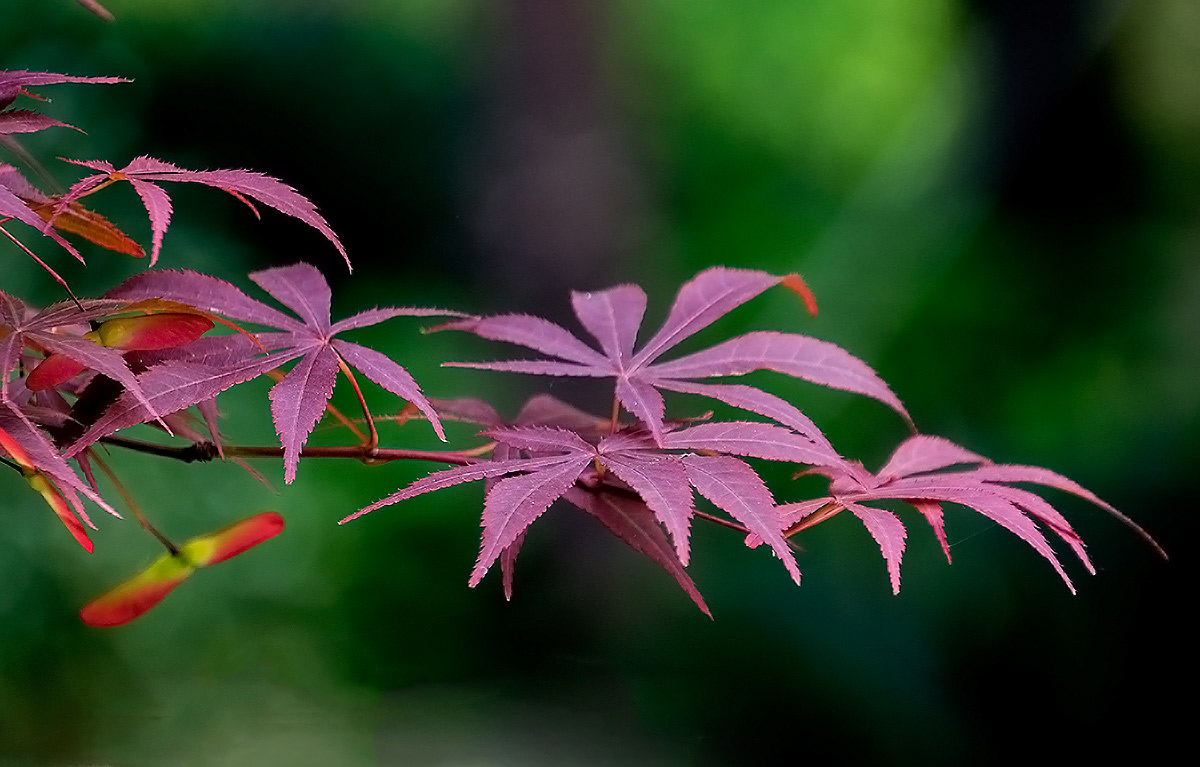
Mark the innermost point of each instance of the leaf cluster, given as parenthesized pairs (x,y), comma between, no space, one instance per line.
(158,350)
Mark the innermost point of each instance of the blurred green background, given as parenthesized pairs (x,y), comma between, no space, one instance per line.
(996,203)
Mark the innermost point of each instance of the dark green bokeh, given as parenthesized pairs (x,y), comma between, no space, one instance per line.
(996,204)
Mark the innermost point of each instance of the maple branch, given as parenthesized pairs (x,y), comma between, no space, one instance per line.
(206,451)
(380,455)
(197,451)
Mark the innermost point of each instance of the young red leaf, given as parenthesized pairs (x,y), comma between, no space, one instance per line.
(46,488)
(40,330)
(143,333)
(135,596)
(33,452)
(89,225)
(797,285)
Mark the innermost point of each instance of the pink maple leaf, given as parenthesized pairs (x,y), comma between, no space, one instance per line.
(631,483)
(199,371)
(12,185)
(13,82)
(613,317)
(145,173)
(919,473)
(24,121)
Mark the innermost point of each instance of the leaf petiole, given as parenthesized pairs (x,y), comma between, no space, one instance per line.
(817,517)
(371,443)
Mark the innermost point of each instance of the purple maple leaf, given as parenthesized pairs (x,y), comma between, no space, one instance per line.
(621,511)
(24,121)
(626,479)
(199,371)
(613,317)
(919,474)
(520,488)
(144,173)
(13,82)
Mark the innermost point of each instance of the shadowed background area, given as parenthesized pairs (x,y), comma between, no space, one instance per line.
(997,205)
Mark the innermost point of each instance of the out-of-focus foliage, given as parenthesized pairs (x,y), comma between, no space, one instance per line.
(996,205)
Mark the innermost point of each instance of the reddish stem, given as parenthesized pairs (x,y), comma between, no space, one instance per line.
(817,517)
(371,443)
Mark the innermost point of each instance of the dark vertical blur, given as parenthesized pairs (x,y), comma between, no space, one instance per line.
(554,198)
